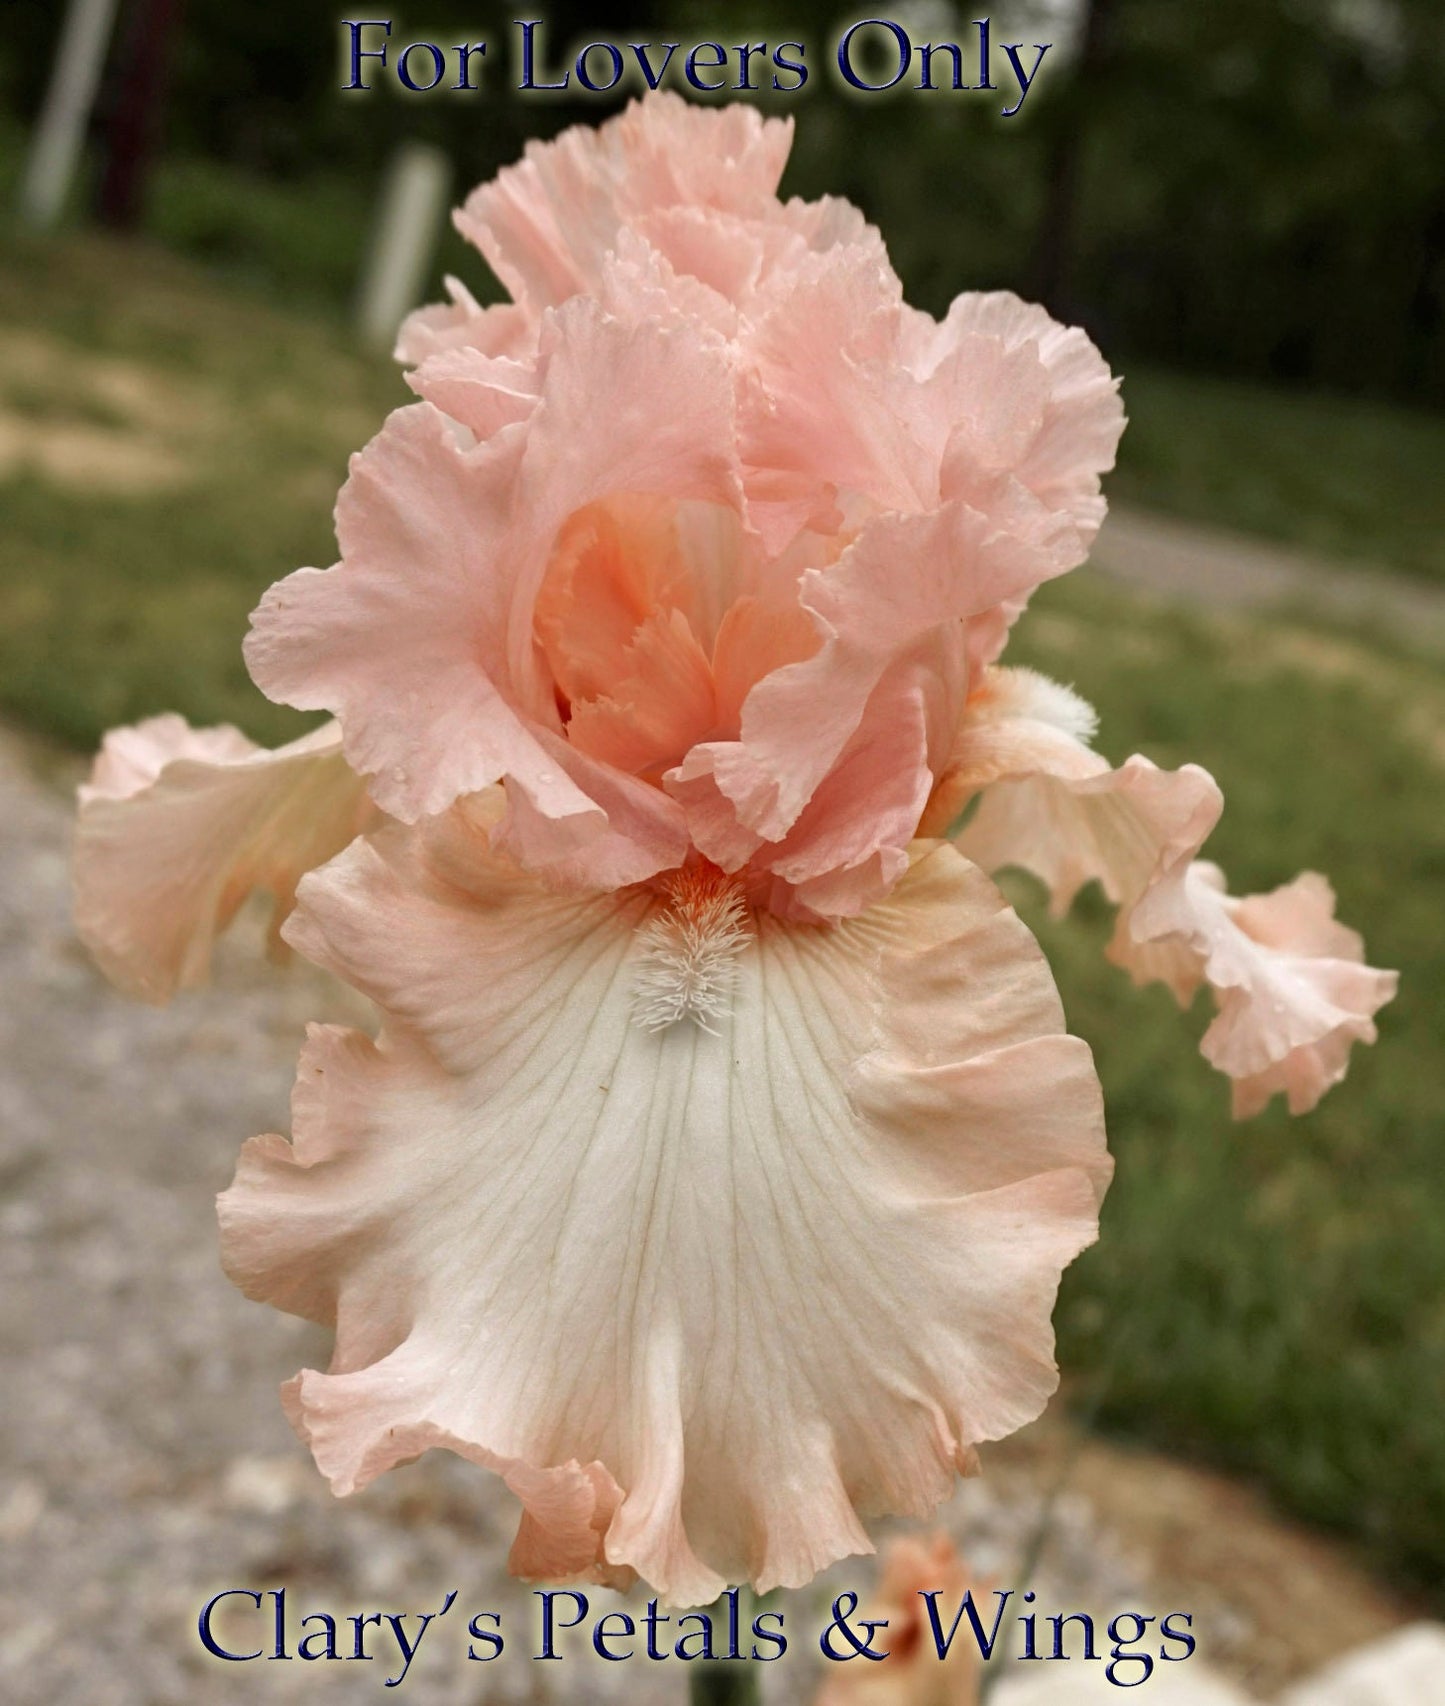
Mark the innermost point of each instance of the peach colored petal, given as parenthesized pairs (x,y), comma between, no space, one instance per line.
(131,758)
(1017,721)
(757,1282)
(546,224)
(674,201)
(850,842)
(854,391)
(406,638)
(661,704)
(616,566)
(462,322)
(706,409)
(797,721)
(637,830)
(421,639)
(912,1674)
(1074,420)
(826,407)
(178,825)
(1291,991)
(745,265)
(484,393)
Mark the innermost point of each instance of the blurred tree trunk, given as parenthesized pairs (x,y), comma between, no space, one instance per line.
(132,123)
(1054,252)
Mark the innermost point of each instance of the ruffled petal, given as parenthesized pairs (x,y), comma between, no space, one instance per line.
(751,1283)
(1292,992)
(422,639)
(462,323)
(850,842)
(852,391)
(1064,439)
(178,825)
(827,409)
(547,224)
(797,721)
(661,704)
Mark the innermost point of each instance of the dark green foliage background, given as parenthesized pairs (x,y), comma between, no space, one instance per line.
(1261,188)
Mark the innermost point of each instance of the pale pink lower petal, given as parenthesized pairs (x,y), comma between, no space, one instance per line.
(759,1282)
(178,826)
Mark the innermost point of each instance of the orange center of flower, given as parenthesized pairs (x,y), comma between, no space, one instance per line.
(654,625)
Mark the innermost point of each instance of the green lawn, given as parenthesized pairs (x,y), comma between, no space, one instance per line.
(1267,1296)
(1343,476)
(224,428)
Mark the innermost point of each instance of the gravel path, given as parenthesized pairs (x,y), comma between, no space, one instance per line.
(1204,565)
(145,1463)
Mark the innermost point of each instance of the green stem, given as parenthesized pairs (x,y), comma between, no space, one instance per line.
(727,1682)
(732,1683)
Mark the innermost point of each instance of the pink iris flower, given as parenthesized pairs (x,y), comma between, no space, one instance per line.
(713,1166)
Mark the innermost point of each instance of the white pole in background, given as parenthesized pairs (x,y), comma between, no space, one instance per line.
(60,130)
(413,202)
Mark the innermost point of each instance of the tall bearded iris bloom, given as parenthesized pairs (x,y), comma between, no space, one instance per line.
(712,1169)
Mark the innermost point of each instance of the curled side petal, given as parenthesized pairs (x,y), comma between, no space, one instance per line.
(178,825)
(1292,992)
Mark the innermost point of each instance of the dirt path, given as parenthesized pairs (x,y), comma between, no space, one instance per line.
(1202,565)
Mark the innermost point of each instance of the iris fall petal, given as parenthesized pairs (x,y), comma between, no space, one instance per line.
(731,1289)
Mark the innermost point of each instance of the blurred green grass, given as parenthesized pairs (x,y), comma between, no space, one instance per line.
(175,449)
(1346,477)
(1266,1296)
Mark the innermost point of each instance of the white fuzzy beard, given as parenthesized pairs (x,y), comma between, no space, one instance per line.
(687,957)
